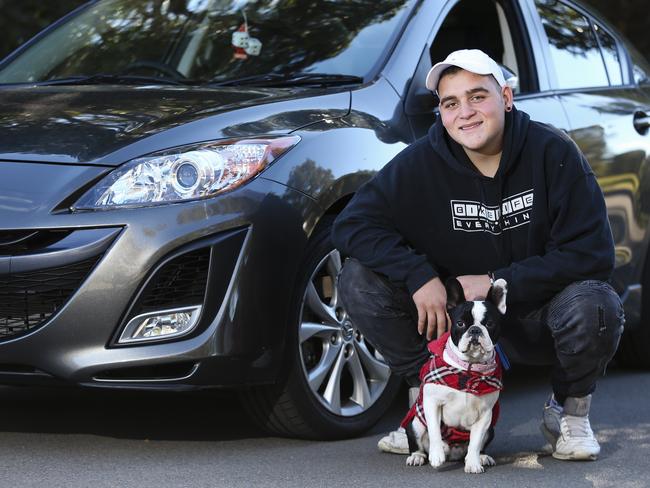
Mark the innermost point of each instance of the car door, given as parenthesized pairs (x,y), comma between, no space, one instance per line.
(501,29)
(594,80)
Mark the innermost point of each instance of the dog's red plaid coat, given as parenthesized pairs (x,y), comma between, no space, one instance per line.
(437,371)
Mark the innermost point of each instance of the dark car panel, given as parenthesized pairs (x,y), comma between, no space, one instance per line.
(147,243)
(251,266)
(602,124)
(30,192)
(370,133)
(54,123)
(603,107)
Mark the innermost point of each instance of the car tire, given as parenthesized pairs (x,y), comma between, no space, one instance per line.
(333,384)
(632,348)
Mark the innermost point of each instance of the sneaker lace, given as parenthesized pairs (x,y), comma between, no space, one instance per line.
(576,426)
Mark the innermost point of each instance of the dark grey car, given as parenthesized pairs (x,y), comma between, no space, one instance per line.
(169,172)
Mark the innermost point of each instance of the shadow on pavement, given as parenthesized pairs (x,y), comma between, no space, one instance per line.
(214,414)
(205,415)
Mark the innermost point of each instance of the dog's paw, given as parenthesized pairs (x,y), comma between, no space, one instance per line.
(474,468)
(487,460)
(416,459)
(437,457)
(474,463)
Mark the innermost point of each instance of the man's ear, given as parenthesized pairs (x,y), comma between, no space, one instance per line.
(508,96)
(497,295)
(455,294)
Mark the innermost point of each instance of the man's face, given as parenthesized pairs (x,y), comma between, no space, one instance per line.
(472,108)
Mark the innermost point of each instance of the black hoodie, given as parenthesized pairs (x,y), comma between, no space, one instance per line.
(540,223)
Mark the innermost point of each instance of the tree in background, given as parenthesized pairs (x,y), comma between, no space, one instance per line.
(21,19)
(629,17)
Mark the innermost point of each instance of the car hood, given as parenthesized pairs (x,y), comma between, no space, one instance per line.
(107,125)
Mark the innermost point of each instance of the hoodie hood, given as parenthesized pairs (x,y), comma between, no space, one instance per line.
(453,154)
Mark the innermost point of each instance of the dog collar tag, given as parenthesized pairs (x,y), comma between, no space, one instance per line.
(502,356)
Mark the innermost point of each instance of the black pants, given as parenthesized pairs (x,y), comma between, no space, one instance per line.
(577,331)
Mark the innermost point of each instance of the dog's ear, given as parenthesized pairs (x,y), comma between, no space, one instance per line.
(497,294)
(455,294)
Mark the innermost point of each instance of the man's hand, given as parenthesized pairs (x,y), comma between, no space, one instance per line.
(475,287)
(431,303)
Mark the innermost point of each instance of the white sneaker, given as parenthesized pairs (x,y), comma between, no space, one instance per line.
(395,442)
(576,441)
(550,425)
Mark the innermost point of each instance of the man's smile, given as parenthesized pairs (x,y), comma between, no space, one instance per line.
(470,126)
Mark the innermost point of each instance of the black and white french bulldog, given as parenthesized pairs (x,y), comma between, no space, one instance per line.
(457,406)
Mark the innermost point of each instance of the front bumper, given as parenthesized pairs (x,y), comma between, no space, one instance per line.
(256,238)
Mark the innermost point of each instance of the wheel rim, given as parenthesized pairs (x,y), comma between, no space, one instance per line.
(343,370)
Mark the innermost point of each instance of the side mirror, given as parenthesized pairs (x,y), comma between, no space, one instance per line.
(512,80)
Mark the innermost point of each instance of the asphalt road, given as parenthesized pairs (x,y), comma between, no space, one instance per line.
(88,438)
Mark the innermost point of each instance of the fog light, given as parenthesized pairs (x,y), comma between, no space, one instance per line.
(162,324)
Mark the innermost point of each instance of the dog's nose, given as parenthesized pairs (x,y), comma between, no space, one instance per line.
(474,330)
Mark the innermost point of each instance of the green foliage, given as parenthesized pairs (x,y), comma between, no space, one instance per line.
(21,19)
(629,17)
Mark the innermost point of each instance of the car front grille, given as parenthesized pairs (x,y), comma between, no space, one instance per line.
(17,242)
(179,282)
(29,299)
(197,274)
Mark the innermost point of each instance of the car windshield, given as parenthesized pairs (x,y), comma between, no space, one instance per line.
(213,40)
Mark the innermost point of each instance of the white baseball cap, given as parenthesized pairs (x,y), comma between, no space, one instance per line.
(472,60)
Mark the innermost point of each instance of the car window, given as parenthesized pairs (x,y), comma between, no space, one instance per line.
(574,49)
(215,40)
(640,67)
(484,25)
(609,49)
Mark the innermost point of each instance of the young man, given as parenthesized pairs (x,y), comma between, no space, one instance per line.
(487,194)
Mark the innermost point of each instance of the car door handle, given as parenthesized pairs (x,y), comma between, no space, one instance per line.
(641,122)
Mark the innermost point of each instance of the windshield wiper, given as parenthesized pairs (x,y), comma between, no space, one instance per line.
(291,79)
(111,79)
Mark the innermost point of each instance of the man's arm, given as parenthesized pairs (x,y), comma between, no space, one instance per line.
(580,246)
(366,230)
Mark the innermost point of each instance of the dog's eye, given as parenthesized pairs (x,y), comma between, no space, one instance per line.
(460,323)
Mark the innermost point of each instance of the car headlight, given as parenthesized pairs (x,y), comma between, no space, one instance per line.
(185,173)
